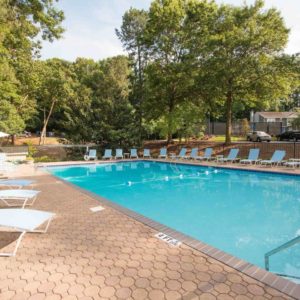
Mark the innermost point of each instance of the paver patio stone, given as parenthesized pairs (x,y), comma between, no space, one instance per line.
(140,294)
(173,285)
(156,295)
(189,286)
(61,288)
(142,282)
(219,277)
(92,291)
(222,288)
(157,283)
(255,290)
(46,287)
(123,293)
(37,296)
(239,288)
(207,296)
(224,297)
(108,255)
(76,289)
(51,297)
(107,292)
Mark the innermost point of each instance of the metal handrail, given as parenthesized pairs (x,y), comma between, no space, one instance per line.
(284,246)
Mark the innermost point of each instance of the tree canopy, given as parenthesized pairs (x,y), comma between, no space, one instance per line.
(187,60)
(21,24)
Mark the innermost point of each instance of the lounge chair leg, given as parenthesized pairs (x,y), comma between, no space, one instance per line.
(9,254)
(43,230)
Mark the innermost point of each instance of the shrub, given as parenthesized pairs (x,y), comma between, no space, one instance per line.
(44,158)
(31,149)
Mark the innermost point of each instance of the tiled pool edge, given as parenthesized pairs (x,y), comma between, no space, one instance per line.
(212,164)
(283,285)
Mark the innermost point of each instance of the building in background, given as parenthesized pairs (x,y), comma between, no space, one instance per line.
(285,117)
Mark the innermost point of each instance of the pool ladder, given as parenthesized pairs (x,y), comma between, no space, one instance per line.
(280,248)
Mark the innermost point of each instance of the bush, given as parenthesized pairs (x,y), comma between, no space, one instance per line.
(31,149)
(44,158)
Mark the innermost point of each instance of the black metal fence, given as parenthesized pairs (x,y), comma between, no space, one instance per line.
(292,149)
(219,128)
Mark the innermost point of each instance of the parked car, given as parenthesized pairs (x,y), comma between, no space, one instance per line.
(288,136)
(258,136)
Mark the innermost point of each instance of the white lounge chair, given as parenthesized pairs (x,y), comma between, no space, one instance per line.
(107,154)
(182,154)
(292,163)
(275,160)
(119,154)
(193,154)
(163,153)
(252,157)
(133,153)
(92,154)
(146,153)
(207,154)
(17,183)
(23,220)
(21,197)
(232,156)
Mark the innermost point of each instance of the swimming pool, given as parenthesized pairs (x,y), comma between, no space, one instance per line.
(244,213)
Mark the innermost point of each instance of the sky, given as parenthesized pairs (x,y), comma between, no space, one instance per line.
(90,26)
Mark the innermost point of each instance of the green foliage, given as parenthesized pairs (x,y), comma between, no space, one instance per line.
(170,75)
(296,123)
(98,108)
(187,59)
(21,24)
(44,158)
(32,150)
(243,60)
(131,35)
(245,127)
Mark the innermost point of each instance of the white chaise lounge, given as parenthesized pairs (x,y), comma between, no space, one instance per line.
(92,154)
(17,183)
(23,220)
(18,197)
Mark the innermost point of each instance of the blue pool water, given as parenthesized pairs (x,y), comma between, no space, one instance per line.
(243,213)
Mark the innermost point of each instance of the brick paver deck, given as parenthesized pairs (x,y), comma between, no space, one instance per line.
(108,255)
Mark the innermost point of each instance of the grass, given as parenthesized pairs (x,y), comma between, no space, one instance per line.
(221,138)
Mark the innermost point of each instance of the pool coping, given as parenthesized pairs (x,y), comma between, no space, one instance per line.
(283,285)
(213,164)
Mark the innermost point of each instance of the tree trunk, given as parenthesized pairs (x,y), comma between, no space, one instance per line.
(141,93)
(229,99)
(44,130)
(170,125)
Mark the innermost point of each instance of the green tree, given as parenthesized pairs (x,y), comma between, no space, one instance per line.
(111,107)
(131,34)
(296,123)
(245,126)
(243,61)
(54,90)
(170,75)
(100,110)
(21,23)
